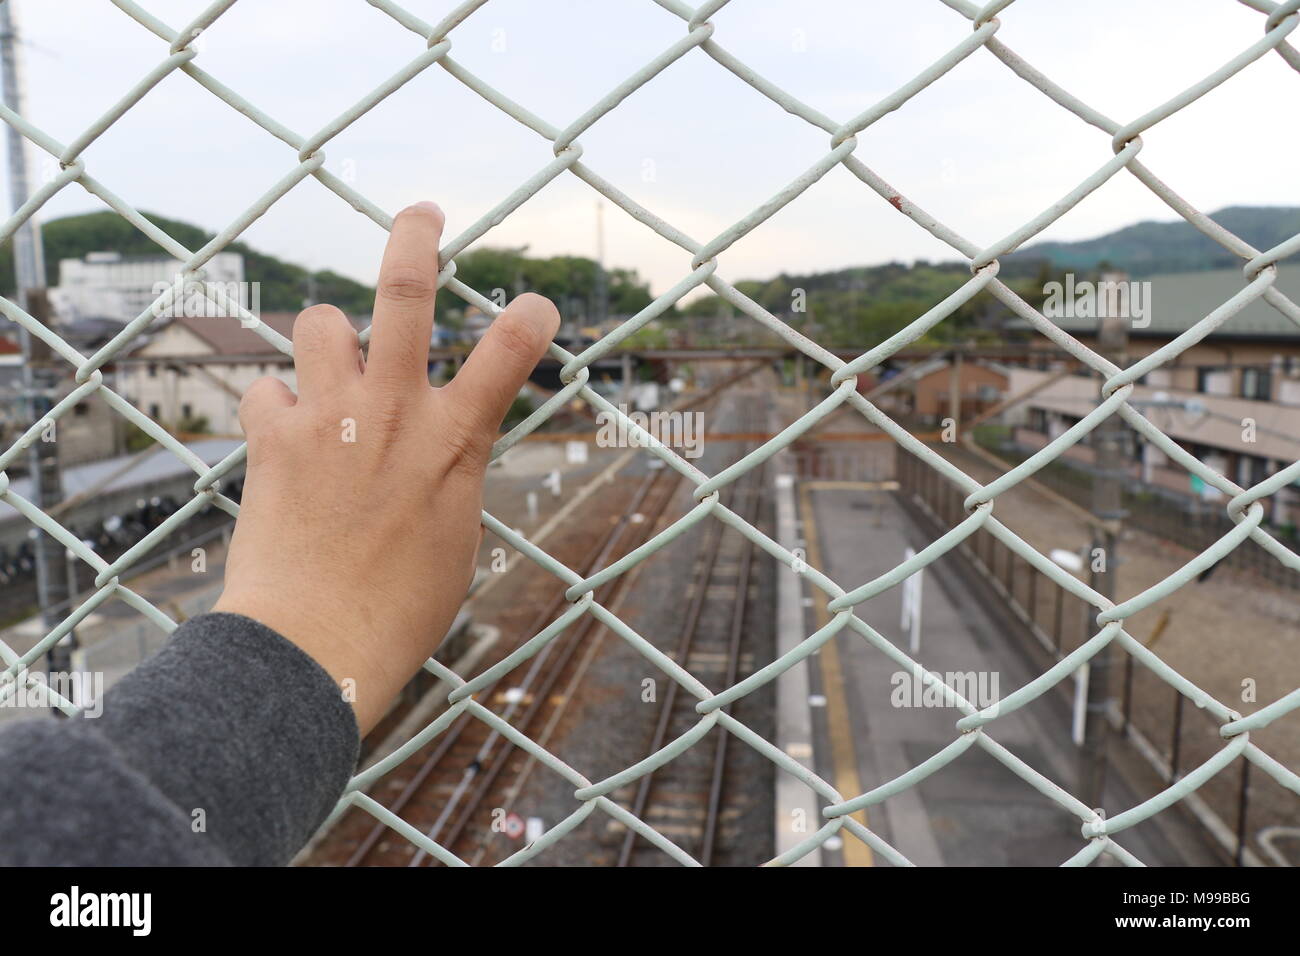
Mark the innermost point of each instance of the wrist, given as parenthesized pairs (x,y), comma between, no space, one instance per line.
(335,636)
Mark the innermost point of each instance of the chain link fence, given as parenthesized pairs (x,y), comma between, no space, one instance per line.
(431,47)
(1165,733)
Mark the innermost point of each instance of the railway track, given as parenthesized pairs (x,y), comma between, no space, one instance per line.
(690,797)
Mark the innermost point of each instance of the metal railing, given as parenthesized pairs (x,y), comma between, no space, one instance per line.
(431,45)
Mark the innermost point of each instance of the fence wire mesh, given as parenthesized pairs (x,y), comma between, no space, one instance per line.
(432,46)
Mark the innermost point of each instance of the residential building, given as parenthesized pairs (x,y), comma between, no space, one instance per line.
(192,372)
(1255,354)
(979,386)
(1232,399)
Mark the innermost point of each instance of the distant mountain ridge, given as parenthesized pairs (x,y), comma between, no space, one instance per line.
(1150,248)
(857,303)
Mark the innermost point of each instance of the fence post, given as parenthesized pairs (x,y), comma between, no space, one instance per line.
(1033,595)
(1243,804)
(1059,616)
(1176,744)
(1108,506)
(1128,691)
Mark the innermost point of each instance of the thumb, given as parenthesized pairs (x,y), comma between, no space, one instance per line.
(496,370)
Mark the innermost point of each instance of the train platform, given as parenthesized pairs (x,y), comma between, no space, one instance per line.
(870,721)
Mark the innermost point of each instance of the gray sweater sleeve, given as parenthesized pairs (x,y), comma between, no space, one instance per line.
(229,746)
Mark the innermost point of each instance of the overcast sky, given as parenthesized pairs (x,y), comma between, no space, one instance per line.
(980,149)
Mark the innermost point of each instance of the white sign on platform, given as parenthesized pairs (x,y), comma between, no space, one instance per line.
(911,621)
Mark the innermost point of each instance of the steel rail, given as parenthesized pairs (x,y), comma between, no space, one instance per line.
(547,678)
(686,640)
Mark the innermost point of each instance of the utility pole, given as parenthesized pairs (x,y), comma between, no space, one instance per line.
(1108,507)
(311,289)
(954,390)
(626,393)
(39,375)
(601,309)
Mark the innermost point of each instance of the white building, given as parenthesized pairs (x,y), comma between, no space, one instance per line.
(195,368)
(111,285)
(198,368)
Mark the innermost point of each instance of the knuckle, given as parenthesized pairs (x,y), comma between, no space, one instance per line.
(386,419)
(520,338)
(407,283)
(395,378)
(387,410)
(329,429)
(466,445)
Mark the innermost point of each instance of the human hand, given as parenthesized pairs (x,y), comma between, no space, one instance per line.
(360,518)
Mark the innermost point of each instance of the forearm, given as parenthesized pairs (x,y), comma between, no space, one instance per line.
(229,746)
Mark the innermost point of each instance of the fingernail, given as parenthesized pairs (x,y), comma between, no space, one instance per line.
(427,204)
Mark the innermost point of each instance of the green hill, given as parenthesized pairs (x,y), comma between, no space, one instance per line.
(284,286)
(848,307)
(868,303)
(570,280)
(1149,248)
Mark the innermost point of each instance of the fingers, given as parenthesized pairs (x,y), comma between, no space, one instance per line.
(408,278)
(325,351)
(263,397)
(500,364)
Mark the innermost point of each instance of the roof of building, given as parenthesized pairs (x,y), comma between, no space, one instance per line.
(1213,420)
(228,336)
(113,257)
(145,470)
(1179,300)
(943,369)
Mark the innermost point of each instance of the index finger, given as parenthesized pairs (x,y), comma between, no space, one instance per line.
(402,325)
